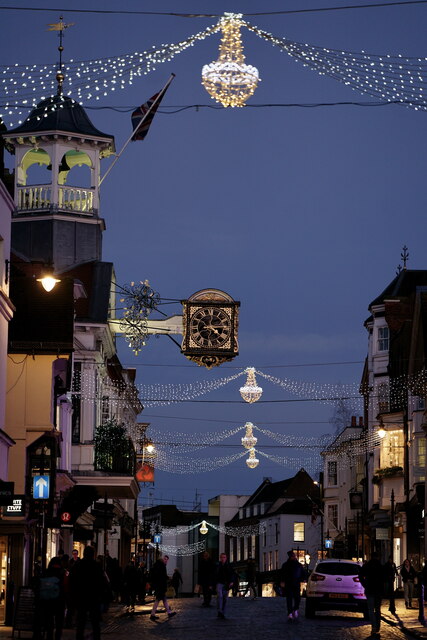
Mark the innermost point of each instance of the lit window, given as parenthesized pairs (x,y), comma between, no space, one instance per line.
(391,452)
(383,338)
(333,515)
(299,532)
(383,397)
(332,473)
(421,442)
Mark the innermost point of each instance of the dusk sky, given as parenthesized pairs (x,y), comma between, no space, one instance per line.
(300,213)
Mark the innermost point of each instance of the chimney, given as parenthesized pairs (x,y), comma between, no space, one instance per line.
(360,421)
(353,421)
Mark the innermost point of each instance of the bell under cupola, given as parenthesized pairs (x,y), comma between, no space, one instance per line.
(57,174)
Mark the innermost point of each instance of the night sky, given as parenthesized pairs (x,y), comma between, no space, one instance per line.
(300,213)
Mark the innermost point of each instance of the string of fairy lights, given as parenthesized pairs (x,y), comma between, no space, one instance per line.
(393,78)
(88,387)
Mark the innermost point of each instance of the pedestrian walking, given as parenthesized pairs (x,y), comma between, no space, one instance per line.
(130,585)
(51,600)
(390,574)
(206,578)
(87,586)
(224,576)
(422,592)
(408,575)
(159,582)
(142,582)
(291,575)
(176,581)
(251,574)
(372,579)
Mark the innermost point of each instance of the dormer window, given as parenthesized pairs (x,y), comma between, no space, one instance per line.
(383,338)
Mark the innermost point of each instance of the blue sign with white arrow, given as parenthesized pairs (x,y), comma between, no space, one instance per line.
(41,486)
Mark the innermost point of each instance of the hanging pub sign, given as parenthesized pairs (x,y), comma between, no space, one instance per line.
(144,470)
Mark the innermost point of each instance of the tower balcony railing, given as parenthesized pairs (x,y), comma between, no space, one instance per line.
(75,199)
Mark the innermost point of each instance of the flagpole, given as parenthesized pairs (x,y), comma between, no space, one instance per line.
(141,122)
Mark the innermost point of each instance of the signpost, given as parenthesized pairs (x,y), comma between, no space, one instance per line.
(41,486)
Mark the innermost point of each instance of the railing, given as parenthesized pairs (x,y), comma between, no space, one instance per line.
(75,199)
(117,457)
(31,198)
(36,197)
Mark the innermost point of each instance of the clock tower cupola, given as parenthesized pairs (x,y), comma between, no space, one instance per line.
(57,172)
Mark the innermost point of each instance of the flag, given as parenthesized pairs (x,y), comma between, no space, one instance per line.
(141,113)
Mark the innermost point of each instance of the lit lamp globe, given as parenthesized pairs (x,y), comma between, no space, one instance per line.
(48,281)
(252,461)
(204,528)
(250,392)
(249,440)
(229,80)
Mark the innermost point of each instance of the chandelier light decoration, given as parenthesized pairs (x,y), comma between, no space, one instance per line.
(229,80)
(204,528)
(233,531)
(391,78)
(252,461)
(249,440)
(250,392)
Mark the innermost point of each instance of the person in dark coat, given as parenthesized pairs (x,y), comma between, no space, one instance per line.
(390,574)
(176,581)
(422,592)
(372,579)
(159,582)
(130,585)
(87,587)
(206,578)
(224,576)
(142,582)
(408,575)
(251,578)
(291,575)
(52,609)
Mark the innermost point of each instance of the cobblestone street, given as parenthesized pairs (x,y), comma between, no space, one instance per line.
(262,619)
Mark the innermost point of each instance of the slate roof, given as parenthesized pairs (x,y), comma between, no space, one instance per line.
(58,113)
(403,284)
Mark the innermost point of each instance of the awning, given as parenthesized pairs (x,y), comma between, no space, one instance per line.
(111,486)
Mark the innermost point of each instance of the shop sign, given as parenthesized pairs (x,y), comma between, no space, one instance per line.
(382,534)
(16,509)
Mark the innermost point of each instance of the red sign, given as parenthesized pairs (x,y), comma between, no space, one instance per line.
(65,516)
(144,471)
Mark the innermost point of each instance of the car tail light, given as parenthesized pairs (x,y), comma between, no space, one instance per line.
(356,579)
(316,577)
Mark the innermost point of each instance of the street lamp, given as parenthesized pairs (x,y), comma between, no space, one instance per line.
(48,280)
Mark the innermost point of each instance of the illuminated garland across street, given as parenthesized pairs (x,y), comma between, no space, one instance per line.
(393,78)
(248,530)
(180,550)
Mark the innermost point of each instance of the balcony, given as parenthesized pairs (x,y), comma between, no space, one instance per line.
(39,197)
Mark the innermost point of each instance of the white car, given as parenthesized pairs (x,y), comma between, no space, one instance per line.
(335,585)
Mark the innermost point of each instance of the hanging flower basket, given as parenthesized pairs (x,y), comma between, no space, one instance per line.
(387,472)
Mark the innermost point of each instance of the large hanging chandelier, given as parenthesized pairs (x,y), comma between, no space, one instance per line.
(250,392)
(229,80)
(252,461)
(249,440)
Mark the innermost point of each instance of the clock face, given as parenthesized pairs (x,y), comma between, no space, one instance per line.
(210,327)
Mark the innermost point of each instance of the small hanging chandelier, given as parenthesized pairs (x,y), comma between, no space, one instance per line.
(250,392)
(249,440)
(204,528)
(252,461)
(229,80)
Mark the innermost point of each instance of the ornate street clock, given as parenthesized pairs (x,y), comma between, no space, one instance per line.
(210,323)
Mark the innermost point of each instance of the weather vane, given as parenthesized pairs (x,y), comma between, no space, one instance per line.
(60,26)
